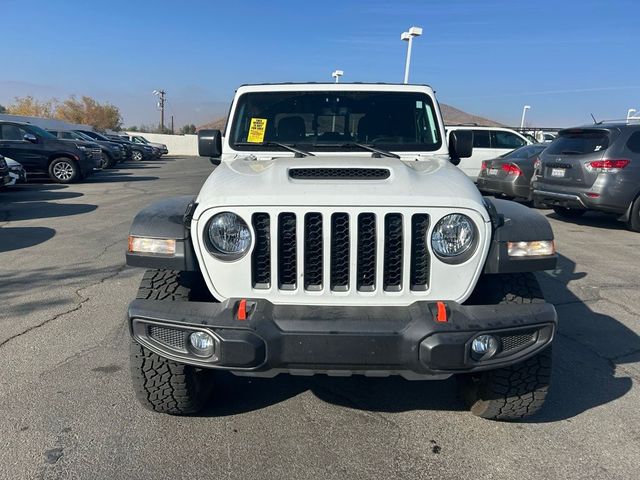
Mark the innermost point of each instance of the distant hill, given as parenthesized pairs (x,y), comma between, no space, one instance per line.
(451,115)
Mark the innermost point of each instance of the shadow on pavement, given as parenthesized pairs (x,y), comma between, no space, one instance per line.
(16,238)
(117,177)
(31,210)
(587,350)
(28,193)
(592,220)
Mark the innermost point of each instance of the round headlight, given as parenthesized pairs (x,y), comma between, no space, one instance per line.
(454,235)
(229,236)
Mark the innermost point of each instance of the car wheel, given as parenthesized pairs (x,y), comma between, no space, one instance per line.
(517,391)
(565,212)
(64,170)
(136,155)
(163,385)
(634,218)
(107,161)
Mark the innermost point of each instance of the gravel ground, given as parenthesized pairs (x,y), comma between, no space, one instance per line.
(67,409)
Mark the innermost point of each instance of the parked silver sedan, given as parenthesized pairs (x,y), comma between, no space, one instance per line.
(510,175)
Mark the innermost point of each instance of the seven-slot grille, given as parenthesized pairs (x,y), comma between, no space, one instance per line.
(378,238)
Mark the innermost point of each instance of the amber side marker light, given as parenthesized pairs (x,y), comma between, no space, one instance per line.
(537,248)
(156,246)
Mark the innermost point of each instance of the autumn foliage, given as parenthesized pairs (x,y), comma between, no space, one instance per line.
(85,110)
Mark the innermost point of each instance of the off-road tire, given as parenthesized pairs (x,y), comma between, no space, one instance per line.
(517,391)
(634,217)
(64,170)
(566,212)
(163,385)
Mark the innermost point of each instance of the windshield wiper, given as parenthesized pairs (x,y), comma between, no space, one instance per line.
(379,153)
(299,153)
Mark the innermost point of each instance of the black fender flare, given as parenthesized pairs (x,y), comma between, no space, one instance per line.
(169,218)
(514,222)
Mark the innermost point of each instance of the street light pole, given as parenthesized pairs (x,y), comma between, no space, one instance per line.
(161,95)
(337,74)
(408,37)
(524,112)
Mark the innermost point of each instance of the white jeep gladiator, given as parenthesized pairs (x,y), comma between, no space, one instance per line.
(337,236)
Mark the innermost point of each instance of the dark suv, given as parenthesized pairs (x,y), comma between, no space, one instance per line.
(596,167)
(4,172)
(41,152)
(111,152)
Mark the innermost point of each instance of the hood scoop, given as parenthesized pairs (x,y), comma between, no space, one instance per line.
(339,173)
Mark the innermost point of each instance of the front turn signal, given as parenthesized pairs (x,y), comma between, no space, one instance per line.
(536,248)
(152,246)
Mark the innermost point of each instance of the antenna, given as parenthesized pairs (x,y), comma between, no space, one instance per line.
(594,119)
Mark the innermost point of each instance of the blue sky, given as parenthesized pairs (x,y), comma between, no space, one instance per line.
(564,58)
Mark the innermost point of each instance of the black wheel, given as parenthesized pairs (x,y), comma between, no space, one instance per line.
(136,155)
(163,385)
(517,391)
(565,212)
(64,170)
(107,161)
(634,218)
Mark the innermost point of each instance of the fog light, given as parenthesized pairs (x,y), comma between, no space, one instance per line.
(203,344)
(484,346)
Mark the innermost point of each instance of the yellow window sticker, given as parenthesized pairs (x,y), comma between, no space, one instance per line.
(257,130)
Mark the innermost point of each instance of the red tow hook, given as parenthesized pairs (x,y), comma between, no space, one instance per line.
(242,309)
(441,315)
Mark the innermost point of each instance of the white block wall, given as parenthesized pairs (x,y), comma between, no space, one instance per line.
(176,144)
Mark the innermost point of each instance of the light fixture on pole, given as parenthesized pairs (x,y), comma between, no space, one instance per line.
(337,74)
(524,112)
(161,94)
(408,37)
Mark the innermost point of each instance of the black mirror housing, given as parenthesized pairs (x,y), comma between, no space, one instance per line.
(210,144)
(460,145)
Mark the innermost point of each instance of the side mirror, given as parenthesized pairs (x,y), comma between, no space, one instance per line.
(460,145)
(210,145)
(30,137)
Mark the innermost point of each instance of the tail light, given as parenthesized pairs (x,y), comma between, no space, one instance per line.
(511,169)
(607,166)
(483,166)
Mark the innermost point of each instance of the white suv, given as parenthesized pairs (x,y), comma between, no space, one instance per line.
(488,143)
(336,236)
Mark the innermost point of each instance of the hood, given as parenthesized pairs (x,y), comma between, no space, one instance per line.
(431,182)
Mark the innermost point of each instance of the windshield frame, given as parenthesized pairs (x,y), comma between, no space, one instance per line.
(429,104)
(40,132)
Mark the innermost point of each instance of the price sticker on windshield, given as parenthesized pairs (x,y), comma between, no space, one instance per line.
(257,129)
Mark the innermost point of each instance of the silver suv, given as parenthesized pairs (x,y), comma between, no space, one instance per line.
(596,167)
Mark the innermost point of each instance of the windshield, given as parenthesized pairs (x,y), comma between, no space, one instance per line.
(579,142)
(82,136)
(525,152)
(402,121)
(39,131)
(140,139)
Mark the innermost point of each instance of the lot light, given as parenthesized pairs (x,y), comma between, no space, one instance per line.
(337,74)
(157,246)
(408,37)
(531,249)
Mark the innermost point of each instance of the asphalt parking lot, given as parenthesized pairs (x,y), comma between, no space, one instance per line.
(68,411)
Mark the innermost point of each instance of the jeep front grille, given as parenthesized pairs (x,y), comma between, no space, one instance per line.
(330,260)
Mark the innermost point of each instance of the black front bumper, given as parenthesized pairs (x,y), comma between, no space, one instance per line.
(409,341)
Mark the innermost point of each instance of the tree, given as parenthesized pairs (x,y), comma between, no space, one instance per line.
(189,129)
(30,107)
(3,109)
(89,111)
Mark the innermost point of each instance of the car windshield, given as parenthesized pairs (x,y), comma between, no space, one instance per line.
(336,120)
(140,139)
(39,131)
(525,152)
(579,142)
